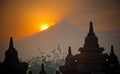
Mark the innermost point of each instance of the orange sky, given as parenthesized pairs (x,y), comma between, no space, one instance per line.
(21,18)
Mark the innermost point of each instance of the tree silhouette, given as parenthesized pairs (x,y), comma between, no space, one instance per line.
(51,65)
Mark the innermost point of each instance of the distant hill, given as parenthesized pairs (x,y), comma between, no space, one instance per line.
(63,33)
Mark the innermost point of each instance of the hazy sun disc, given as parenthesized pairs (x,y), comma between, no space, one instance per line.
(44,27)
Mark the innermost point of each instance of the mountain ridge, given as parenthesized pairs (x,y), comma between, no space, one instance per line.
(64,34)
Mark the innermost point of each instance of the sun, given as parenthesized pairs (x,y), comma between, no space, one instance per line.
(44,27)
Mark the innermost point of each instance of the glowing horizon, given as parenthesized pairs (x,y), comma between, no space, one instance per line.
(44,27)
(22,19)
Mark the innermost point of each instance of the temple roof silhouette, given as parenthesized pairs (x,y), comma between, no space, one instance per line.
(42,69)
(11,63)
(91,59)
(112,59)
(91,41)
(11,55)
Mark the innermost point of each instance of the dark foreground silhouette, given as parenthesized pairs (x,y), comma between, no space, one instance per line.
(91,60)
(11,63)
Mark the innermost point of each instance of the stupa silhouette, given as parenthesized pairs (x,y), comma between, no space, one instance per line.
(91,59)
(42,69)
(11,63)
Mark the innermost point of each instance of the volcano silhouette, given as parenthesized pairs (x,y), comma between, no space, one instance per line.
(63,33)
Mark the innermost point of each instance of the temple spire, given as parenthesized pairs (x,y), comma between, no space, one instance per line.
(113,60)
(11,43)
(91,28)
(69,50)
(112,50)
(42,68)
